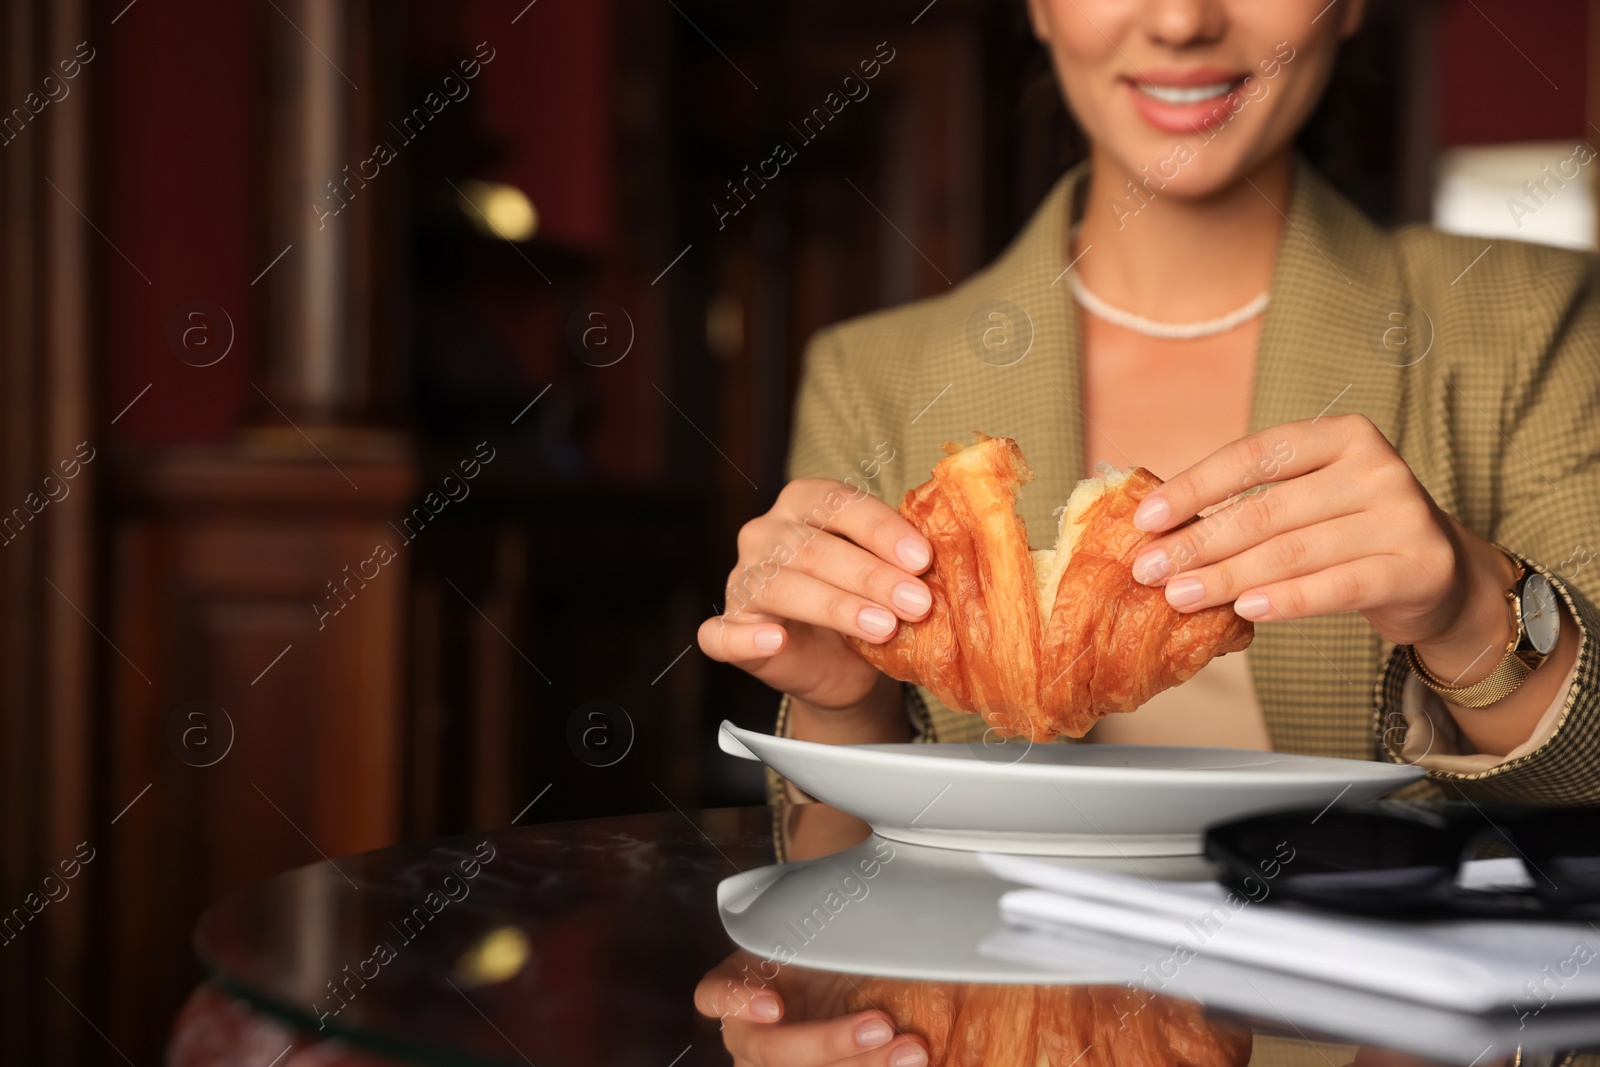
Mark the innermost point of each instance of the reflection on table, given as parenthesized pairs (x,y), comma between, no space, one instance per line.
(583,943)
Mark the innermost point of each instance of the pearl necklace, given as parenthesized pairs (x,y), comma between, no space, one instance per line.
(1167,331)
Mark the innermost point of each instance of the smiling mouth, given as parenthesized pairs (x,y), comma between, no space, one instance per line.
(1186,94)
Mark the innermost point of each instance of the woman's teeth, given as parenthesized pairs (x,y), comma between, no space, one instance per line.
(1188,94)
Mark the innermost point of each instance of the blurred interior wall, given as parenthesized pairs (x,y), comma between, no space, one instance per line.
(47,576)
(151,185)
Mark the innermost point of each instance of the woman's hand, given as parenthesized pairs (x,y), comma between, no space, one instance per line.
(1344,526)
(792,1018)
(828,559)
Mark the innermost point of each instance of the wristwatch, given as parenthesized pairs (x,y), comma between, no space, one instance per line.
(1535,627)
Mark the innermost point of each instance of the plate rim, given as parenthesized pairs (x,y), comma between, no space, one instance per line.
(1367,770)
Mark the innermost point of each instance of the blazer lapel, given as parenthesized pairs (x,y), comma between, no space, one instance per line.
(1335,337)
(1002,357)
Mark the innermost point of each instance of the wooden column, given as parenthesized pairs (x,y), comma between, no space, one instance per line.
(320,211)
(46,553)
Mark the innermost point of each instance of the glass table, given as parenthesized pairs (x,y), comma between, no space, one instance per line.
(579,944)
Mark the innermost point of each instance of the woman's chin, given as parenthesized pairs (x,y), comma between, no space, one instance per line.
(1186,171)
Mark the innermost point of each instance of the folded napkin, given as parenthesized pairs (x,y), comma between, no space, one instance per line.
(1466,965)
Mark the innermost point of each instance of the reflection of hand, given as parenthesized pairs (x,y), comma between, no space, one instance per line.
(812,830)
(796,1019)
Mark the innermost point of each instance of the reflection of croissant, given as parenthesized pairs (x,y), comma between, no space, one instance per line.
(1053,1026)
(1044,645)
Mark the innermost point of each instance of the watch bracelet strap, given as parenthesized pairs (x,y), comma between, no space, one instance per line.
(1501,683)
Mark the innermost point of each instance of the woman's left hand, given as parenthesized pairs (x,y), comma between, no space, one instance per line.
(1344,525)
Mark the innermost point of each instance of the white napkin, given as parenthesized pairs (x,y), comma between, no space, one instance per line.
(1471,965)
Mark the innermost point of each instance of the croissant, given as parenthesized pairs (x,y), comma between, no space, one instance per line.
(969,1025)
(1042,642)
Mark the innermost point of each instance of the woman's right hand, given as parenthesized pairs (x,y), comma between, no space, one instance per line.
(828,559)
(797,1019)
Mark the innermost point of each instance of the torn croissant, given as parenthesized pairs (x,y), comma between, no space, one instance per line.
(1042,642)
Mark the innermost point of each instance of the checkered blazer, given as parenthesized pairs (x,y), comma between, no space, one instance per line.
(1495,409)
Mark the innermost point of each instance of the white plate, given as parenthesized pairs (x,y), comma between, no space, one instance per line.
(1058,799)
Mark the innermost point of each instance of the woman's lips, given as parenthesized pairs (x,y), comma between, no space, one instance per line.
(1183,103)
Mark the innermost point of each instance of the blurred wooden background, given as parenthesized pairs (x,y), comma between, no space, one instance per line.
(367,353)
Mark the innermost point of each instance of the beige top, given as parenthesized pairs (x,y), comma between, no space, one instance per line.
(1218,708)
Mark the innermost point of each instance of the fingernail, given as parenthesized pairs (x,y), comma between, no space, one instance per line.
(912,552)
(912,598)
(1251,606)
(873,1032)
(1151,567)
(908,1055)
(1151,514)
(1185,591)
(765,1007)
(877,621)
(768,639)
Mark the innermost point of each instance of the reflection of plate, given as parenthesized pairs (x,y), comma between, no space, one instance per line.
(933,914)
(1084,800)
(909,912)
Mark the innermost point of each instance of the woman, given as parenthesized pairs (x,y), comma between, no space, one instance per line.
(1196,301)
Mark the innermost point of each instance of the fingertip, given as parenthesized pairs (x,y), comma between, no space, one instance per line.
(912,599)
(1151,566)
(876,624)
(1152,514)
(914,553)
(908,1053)
(766,1008)
(1185,594)
(1252,606)
(874,1030)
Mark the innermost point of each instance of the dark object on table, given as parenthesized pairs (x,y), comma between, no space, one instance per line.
(1391,858)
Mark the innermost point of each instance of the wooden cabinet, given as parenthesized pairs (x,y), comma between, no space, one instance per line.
(218,558)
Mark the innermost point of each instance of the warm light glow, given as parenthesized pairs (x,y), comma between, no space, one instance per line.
(499,210)
(499,955)
(725,326)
